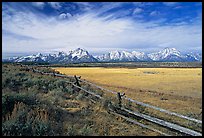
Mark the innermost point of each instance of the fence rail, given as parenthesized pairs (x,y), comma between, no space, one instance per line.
(140,124)
(148,105)
(144,116)
(165,123)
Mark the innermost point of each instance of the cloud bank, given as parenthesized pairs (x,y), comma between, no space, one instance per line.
(33,32)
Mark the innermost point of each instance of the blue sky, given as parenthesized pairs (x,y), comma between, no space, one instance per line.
(100,27)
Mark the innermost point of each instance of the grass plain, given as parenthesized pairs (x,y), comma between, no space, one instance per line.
(175,89)
(36,104)
(41,105)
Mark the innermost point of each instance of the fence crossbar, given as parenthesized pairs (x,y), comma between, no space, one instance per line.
(96,95)
(148,105)
(163,110)
(134,101)
(165,123)
(140,124)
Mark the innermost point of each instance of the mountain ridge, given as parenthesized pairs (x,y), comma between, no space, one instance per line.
(80,55)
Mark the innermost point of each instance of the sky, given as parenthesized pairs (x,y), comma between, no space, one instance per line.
(100,27)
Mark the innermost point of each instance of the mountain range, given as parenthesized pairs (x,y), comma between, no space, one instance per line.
(80,55)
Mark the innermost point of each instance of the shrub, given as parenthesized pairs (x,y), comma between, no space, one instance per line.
(72,131)
(80,96)
(28,82)
(141,108)
(41,128)
(128,104)
(16,128)
(86,131)
(106,103)
(20,74)
(20,127)
(85,111)
(56,92)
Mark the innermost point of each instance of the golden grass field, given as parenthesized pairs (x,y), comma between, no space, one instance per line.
(180,87)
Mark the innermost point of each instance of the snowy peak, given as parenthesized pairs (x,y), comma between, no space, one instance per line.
(39,55)
(193,56)
(126,54)
(111,56)
(74,56)
(122,56)
(61,54)
(165,54)
(170,51)
(140,56)
(81,55)
(115,55)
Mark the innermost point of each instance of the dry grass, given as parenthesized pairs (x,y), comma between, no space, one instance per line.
(58,111)
(176,89)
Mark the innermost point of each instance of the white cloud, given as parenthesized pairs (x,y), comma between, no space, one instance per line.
(38,4)
(170,3)
(84,6)
(138,10)
(65,16)
(154,13)
(178,7)
(143,4)
(55,5)
(94,33)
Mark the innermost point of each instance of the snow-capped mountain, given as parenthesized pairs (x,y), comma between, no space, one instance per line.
(81,55)
(193,56)
(75,56)
(32,58)
(116,56)
(123,56)
(141,56)
(167,54)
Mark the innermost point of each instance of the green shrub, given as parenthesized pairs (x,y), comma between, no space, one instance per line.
(86,131)
(16,128)
(20,127)
(141,108)
(106,103)
(127,104)
(71,131)
(80,96)
(85,111)
(41,129)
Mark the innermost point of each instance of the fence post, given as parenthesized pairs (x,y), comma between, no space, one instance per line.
(76,83)
(120,98)
(33,70)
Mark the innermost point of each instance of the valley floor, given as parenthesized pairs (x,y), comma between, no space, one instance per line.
(42,105)
(35,103)
(175,89)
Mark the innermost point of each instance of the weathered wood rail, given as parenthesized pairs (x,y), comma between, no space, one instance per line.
(140,124)
(163,110)
(137,114)
(92,93)
(165,123)
(148,105)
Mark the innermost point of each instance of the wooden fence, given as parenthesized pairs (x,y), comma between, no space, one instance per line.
(120,96)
